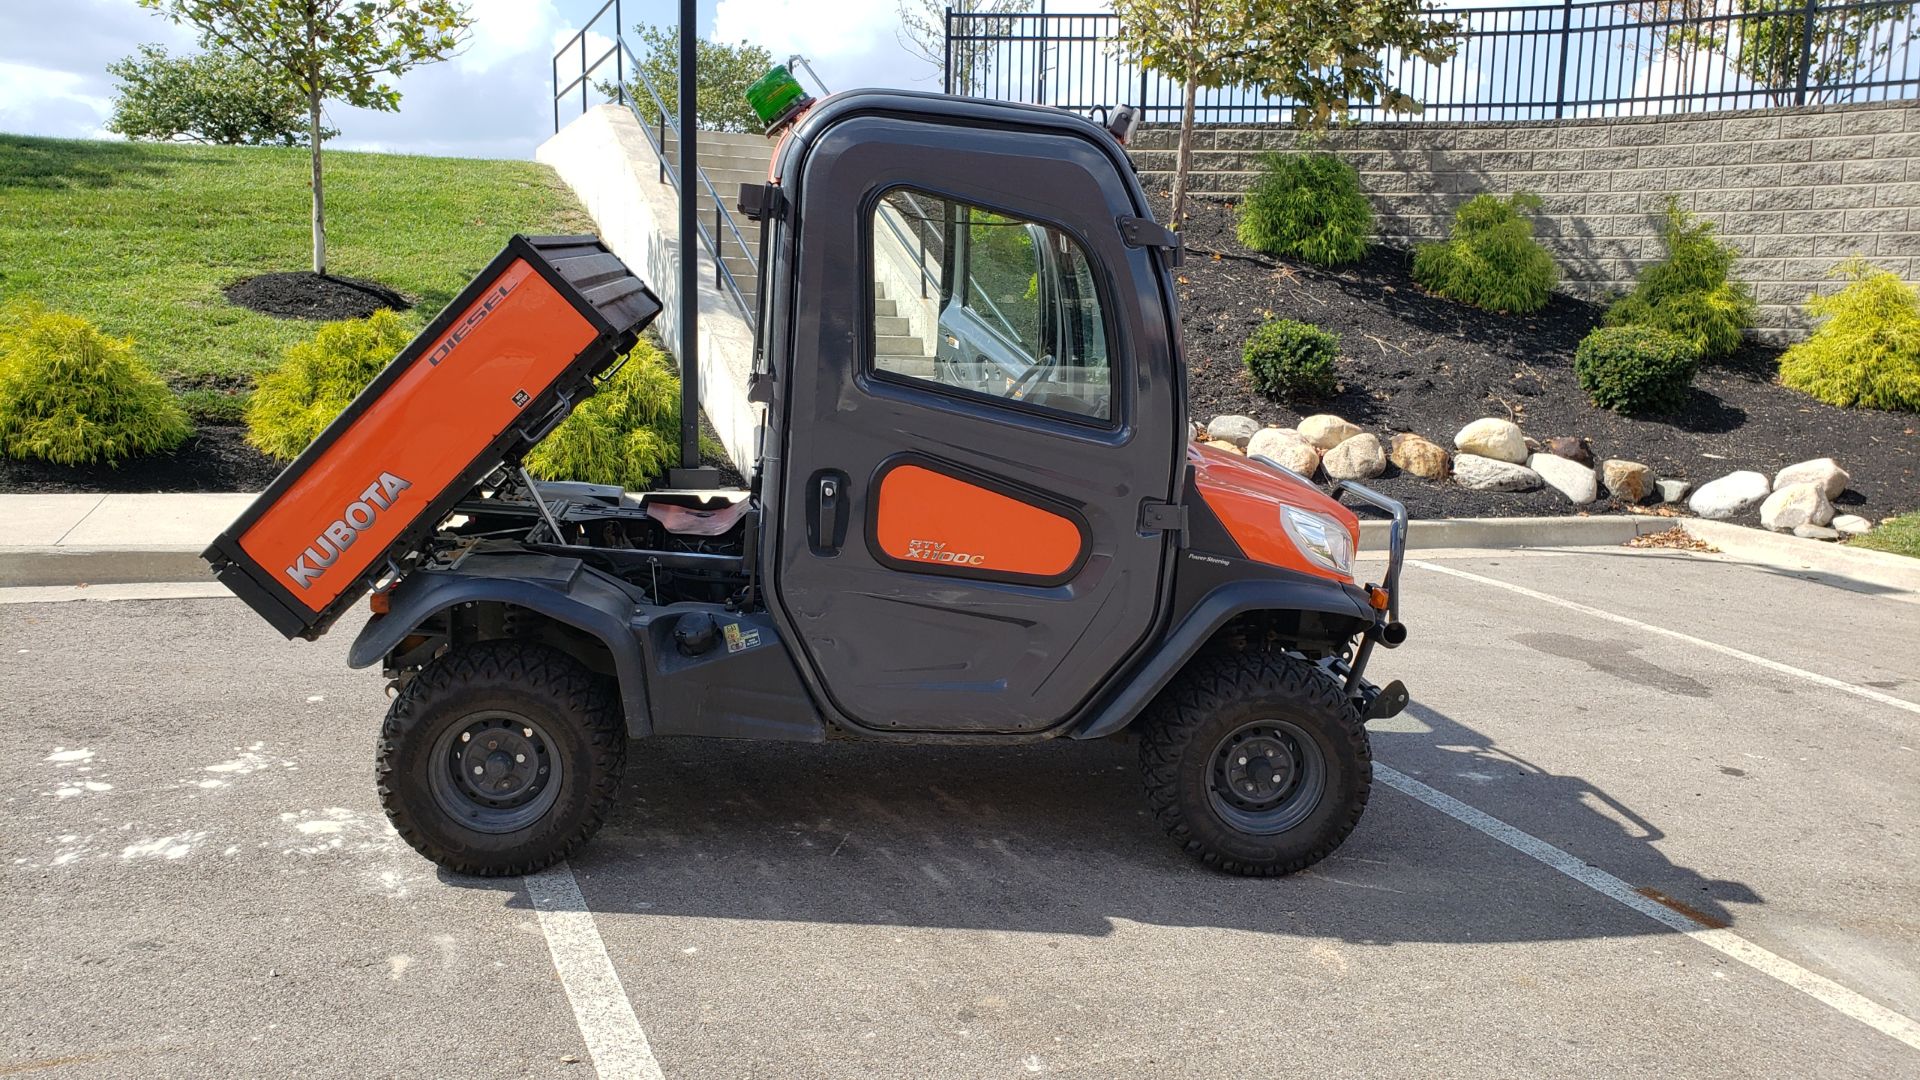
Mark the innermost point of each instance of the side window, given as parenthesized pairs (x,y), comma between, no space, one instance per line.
(971,299)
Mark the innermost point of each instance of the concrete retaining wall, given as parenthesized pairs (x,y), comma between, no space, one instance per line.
(1795,190)
(608,162)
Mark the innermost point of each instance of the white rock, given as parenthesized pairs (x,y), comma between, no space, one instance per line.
(1500,440)
(1816,532)
(1851,524)
(1267,440)
(1672,491)
(1566,476)
(1358,458)
(1327,431)
(1730,496)
(1234,429)
(1795,505)
(1492,474)
(1298,456)
(1825,472)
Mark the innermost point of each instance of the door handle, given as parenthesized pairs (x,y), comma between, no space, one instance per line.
(827,512)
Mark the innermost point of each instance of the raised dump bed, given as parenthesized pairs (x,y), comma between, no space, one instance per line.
(493,374)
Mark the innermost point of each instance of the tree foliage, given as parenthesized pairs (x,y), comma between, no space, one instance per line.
(214,96)
(967,63)
(1322,56)
(722,73)
(1766,40)
(349,51)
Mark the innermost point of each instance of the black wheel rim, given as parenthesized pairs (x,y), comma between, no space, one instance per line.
(494,772)
(1266,777)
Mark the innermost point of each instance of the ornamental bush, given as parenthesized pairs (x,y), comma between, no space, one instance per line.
(1306,206)
(1866,349)
(1491,259)
(72,395)
(1688,295)
(1635,369)
(627,434)
(1291,361)
(318,378)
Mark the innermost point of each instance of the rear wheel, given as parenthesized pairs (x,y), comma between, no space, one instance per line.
(501,757)
(1256,763)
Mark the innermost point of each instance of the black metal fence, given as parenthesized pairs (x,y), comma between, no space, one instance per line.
(1530,62)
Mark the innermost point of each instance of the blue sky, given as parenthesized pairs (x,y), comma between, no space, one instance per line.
(495,100)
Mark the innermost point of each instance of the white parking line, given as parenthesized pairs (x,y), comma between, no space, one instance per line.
(618,1046)
(1820,988)
(1714,646)
(152,590)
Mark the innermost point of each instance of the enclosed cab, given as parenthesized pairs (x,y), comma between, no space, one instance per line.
(977,515)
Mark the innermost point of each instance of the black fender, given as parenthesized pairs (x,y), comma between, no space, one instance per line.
(1204,618)
(564,590)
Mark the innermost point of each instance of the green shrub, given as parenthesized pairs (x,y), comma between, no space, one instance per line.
(1688,295)
(627,434)
(1491,260)
(1866,350)
(1635,369)
(71,395)
(1291,360)
(318,378)
(1306,206)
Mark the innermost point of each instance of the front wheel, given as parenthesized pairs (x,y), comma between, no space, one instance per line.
(500,758)
(1256,763)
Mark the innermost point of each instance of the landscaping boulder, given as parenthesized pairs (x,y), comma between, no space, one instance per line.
(1573,449)
(1628,481)
(1358,458)
(1222,444)
(1500,440)
(1327,431)
(1672,490)
(1796,505)
(1816,532)
(1415,455)
(1285,446)
(1234,429)
(1566,476)
(1492,474)
(1851,525)
(1825,472)
(1730,496)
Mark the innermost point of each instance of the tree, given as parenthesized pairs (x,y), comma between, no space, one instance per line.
(963,64)
(1201,43)
(212,97)
(329,50)
(1766,40)
(723,73)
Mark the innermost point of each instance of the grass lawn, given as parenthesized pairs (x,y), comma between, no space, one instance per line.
(1900,536)
(142,237)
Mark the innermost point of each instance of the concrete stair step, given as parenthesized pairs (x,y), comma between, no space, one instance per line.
(917,366)
(885,308)
(891,326)
(898,345)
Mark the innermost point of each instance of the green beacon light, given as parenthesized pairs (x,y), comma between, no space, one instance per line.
(777,98)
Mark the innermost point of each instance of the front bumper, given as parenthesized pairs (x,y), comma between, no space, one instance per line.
(1375,702)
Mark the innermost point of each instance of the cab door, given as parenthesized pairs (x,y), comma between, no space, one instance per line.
(980,398)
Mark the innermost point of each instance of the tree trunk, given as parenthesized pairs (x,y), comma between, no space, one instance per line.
(1185,160)
(319,195)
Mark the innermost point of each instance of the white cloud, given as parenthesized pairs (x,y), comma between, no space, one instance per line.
(853,29)
(59,102)
(507,31)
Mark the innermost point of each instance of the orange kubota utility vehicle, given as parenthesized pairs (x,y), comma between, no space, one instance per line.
(976,515)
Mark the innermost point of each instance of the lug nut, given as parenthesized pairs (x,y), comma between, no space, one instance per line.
(1243,760)
(527,731)
(518,758)
(477,770)
(466,736)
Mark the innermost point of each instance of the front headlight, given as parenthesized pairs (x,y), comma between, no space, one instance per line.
(1320,538)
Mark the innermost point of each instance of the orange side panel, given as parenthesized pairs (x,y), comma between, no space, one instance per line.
(929,517)
(1246,496)
(429,425)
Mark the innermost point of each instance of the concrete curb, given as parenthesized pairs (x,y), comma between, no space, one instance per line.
(104,564)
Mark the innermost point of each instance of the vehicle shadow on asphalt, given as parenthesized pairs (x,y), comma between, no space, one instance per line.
(1056,838)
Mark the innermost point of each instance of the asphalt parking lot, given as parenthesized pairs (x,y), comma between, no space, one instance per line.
(1651,814)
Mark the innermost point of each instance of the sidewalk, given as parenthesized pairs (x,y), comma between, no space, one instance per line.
(99,539)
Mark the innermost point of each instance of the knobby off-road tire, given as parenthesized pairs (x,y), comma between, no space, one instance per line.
(530,725)
(1225,715)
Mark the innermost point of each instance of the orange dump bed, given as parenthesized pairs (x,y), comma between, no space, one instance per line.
(493,373)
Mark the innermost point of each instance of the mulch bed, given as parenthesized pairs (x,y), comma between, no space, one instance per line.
(306,295)
(1415,362)
(215,457)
